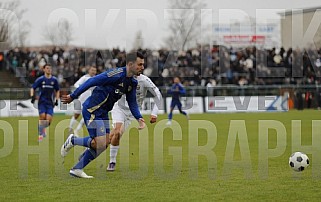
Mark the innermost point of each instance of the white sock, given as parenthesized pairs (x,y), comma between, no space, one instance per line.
(72,122)
(81,123)
(113,153)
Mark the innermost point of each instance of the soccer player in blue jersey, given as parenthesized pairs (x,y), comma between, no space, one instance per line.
(48,98)
(176,91)
(110,86)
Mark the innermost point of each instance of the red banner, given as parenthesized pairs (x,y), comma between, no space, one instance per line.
(244,39)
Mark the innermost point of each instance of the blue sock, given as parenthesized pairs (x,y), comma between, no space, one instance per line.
(182,112)
(88,156)
(170,116)
(82,141)
(41,127)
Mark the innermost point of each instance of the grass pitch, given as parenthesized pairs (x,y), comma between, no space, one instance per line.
(234,157)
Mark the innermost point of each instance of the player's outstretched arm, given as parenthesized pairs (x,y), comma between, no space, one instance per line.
(99,80)
(133,106)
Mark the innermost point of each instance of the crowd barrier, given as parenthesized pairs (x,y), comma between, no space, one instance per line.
(192,105)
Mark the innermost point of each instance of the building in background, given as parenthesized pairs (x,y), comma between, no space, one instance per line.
(294,25)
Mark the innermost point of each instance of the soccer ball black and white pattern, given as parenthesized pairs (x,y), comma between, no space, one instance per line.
(299,161)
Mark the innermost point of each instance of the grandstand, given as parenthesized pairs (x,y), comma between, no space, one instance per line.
(217,70)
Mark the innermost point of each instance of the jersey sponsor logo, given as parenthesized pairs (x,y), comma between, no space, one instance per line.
(114,72)
(47,86)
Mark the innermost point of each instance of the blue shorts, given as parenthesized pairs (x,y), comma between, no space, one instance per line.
(45,108)
(97,125)
(176,103)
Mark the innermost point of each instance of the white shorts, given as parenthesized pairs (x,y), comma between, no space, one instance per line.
(119,115)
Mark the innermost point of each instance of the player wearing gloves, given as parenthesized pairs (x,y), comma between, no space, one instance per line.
(48,98)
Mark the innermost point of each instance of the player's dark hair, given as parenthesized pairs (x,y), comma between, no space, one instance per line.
(47,64)
(132,56)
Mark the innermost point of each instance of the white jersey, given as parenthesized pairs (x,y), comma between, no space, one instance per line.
(144,85)
(82,98)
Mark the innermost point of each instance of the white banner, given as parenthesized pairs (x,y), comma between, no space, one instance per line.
(148,105)
(18,108)
(246,104)
(192,105)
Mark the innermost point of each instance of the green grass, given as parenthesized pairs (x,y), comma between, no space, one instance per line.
(147,169)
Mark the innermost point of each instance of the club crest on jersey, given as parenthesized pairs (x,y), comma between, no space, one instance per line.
(118,91)
(52,83)
(43,83)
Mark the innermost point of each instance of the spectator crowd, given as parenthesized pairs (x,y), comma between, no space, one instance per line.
(202,66)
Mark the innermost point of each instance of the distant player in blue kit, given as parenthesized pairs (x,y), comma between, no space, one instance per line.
(48,98)
(110,86)
(176,91)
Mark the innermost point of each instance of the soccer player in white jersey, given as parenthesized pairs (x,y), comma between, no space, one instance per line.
(122,117)
(92,71)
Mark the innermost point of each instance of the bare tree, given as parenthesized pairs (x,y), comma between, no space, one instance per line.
(60,34)
(13,31)
(184,27)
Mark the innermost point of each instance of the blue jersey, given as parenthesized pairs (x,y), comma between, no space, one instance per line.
(111,85)
(177,90)
(47,88)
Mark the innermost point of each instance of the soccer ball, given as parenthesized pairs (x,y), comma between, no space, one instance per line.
(298,161)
